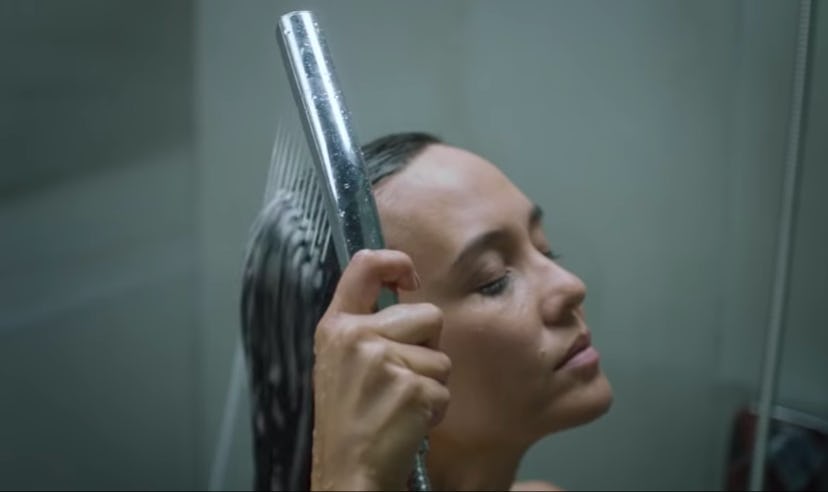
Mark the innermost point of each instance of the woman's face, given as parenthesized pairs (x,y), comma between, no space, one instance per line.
(513,318)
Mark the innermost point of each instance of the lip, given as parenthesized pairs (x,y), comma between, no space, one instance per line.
(580,353)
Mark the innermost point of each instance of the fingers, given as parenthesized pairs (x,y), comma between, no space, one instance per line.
(436,398)
(366,274)
(418,324)
(422,361)
(429,371)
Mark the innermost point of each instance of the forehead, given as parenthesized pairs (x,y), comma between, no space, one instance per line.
(442,199)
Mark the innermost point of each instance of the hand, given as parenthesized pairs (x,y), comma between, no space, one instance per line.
(379,380)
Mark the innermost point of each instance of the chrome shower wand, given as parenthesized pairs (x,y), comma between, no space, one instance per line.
(351,210)
(333,144)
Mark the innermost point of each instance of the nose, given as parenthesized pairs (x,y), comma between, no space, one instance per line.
(563,293)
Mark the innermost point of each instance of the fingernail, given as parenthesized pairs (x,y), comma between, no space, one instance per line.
(417,281)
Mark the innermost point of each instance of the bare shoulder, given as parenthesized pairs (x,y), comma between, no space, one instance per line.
(534,485)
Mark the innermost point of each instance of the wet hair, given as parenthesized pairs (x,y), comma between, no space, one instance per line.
(285,292)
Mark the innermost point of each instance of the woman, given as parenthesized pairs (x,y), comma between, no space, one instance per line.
(487,351)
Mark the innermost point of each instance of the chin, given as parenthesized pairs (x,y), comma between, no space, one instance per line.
(580,405)
(599,401)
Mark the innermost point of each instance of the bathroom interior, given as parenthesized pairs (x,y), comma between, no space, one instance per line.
(679,149)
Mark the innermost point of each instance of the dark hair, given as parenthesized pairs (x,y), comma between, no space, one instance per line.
(285,292)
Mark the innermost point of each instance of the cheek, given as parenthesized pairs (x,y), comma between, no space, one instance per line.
(496,352)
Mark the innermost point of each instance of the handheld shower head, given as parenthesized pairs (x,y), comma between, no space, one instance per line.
(352,214)
(288,269)
(327,122)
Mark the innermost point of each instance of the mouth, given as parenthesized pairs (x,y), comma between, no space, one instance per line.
(581,352)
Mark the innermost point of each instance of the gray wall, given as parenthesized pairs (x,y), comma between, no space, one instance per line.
(133,160)
(97,242)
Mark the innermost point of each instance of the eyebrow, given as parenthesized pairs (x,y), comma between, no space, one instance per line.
(489,239)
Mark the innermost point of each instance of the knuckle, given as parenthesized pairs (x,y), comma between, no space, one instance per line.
(410,388)
(348,329)
(433,314)
(425,389)
(330,324)
(337,328)
(433,395)
(364,258)
(375,353)
(324,330)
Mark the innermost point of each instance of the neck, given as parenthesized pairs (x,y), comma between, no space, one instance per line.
(454,466)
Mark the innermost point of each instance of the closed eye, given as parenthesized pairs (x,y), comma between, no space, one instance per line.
(551,255)
(495,287)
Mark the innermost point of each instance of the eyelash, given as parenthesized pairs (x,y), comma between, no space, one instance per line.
(551,255)
(498,286)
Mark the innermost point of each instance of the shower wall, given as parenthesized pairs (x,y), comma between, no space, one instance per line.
(135,142)
(97,246)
